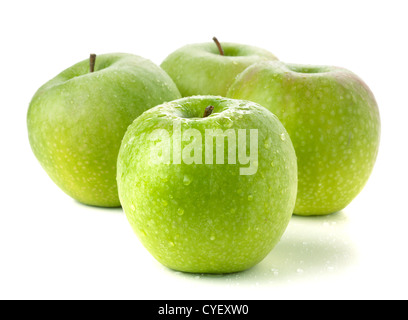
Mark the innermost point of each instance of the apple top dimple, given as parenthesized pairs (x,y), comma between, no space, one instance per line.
(308,69)
(185,109)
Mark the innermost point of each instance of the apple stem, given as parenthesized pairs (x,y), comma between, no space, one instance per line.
(208,111)
(218,46)
(92,60)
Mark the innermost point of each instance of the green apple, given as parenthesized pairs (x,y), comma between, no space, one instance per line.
(334,123)
(208,183)
(204,68)
(77,120)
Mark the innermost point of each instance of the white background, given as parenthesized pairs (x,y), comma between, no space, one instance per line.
(51,247)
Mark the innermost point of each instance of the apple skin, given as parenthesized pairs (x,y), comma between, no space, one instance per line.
(199,69)
(334,123)
(207,218)
(77,120)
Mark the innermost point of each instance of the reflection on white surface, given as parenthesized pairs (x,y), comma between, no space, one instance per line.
(312,248)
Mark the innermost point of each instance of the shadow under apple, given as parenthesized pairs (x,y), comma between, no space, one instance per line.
(311,248)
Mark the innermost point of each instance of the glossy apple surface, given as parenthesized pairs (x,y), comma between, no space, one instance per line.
(77,120)
(203,216)
(333,120)
(200,69)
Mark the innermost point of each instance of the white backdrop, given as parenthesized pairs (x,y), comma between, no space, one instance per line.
(53,247)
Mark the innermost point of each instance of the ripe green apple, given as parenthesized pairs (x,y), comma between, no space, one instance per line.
(208,183)
(334,123)
(201,69)
(77,120)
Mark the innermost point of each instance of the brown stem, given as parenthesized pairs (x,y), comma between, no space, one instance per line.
(208,111)
(219,46)
(92,60)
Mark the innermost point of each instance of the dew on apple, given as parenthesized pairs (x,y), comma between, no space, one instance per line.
(223,236)
(187,180)
(283,137)
(228,123)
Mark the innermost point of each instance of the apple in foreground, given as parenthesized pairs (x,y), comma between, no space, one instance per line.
(333,120)
(210,68)
(208,183)
(77,120)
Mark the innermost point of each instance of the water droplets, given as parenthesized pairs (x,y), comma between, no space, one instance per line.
(267,143)
(180,211)
(283,137)
(187,180)
(227,123)
(163,176)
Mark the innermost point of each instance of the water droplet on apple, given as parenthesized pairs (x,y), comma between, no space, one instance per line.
(267,143)
(299,271)
(250,197)
(180,211)
(163,176)
(187,180)
(212,238)
(283,137)
(228,123)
